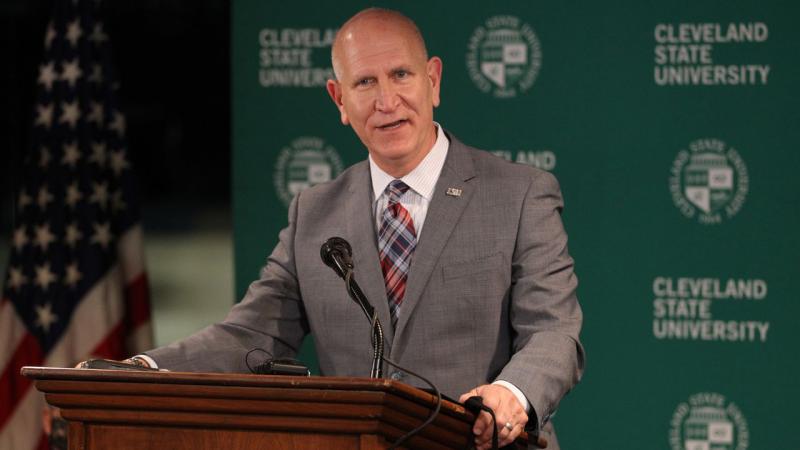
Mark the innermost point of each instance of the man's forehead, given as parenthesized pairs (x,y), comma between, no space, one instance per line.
(370,31)
(383,51)
(367,31)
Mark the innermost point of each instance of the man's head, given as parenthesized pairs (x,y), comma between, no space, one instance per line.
(386,87)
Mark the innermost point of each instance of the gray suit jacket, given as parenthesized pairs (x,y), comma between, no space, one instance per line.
(490,293)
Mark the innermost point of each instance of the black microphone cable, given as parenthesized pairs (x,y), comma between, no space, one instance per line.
(430,418)
(475,404)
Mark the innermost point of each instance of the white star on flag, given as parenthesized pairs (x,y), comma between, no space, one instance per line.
(24,199)
(44,237)
(47,75)
(44,277)
(16,278)
(70,114)
(44,157)
(44,198)
(98,154)
(71,154)
(96,116)
(99,194)
(102,234)
(74,32)
(20,238)
(117,204)
(44,115)
(118,162)
(72,275)
(98,36)
(97,74)
(50,35)
(118,124)
(71,72)
(73,194)
(45,317)
(72,234)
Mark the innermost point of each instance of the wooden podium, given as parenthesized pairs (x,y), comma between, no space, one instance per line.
(112,409)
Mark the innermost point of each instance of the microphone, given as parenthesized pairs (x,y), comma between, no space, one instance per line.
(337,254)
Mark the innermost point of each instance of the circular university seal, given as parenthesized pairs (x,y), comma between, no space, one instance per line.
(303,163)
(709,181)
(707,421)
(504,56)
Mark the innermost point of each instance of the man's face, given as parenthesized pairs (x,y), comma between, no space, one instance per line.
(387,91)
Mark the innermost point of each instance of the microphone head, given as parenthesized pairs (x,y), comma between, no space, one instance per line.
(335,252)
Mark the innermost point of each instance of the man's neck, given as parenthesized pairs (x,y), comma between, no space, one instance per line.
(399,169)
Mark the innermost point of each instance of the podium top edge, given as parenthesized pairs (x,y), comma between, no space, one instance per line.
(232,379)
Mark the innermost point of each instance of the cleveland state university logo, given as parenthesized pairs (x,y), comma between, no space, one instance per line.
(707,421)
(709,181)
(504,56)
(303,163)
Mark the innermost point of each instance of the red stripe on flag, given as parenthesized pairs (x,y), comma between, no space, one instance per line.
(44,443)
(13,385)
(113,345)
(137,302)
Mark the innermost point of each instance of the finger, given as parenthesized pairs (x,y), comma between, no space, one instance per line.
(482,426)
(486,436)
(469,394)
(509,436)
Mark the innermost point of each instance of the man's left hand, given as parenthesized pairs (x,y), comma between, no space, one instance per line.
(507,410)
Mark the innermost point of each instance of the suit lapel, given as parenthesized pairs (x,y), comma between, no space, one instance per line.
(443,215)
(361,231)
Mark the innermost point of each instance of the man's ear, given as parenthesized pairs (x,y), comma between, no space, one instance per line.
(434,68)
(335,92)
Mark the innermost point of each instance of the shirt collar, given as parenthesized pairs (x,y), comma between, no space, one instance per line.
(423,178)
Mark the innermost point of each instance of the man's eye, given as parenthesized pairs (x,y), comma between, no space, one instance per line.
(401,74)
(365,82)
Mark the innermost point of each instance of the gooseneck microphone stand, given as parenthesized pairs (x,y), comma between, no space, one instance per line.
(337,254)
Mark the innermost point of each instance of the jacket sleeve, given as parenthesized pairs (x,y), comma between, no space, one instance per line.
(270,317)
(548,359)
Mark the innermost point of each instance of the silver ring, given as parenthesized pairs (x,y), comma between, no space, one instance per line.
(509,426)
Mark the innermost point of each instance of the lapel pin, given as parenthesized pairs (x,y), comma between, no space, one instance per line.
(453,192)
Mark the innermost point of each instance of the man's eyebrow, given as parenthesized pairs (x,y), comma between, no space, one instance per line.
(402,69)
(360,78)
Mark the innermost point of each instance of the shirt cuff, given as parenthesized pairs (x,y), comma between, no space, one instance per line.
(526,405)
(149,360)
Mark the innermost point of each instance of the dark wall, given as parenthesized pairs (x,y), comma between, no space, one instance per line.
(172,59)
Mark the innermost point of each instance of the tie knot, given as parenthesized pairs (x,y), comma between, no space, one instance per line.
(395,190)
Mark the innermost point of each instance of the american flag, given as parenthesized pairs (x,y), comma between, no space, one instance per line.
(75,286)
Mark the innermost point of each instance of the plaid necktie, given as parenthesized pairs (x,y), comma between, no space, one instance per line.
(396,242)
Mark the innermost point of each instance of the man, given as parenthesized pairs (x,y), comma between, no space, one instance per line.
(463,254)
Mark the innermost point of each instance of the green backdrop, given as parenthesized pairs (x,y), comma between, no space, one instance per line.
(673,130)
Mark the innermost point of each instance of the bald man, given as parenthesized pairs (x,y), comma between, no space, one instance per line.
(463,254)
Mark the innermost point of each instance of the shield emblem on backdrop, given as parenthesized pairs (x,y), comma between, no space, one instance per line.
(708,181)
(504,56)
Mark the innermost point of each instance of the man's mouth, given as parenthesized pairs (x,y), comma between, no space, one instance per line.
(393,125)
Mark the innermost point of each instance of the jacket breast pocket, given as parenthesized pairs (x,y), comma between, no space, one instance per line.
(472,268)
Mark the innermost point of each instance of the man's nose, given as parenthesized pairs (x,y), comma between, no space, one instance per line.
(387,98)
